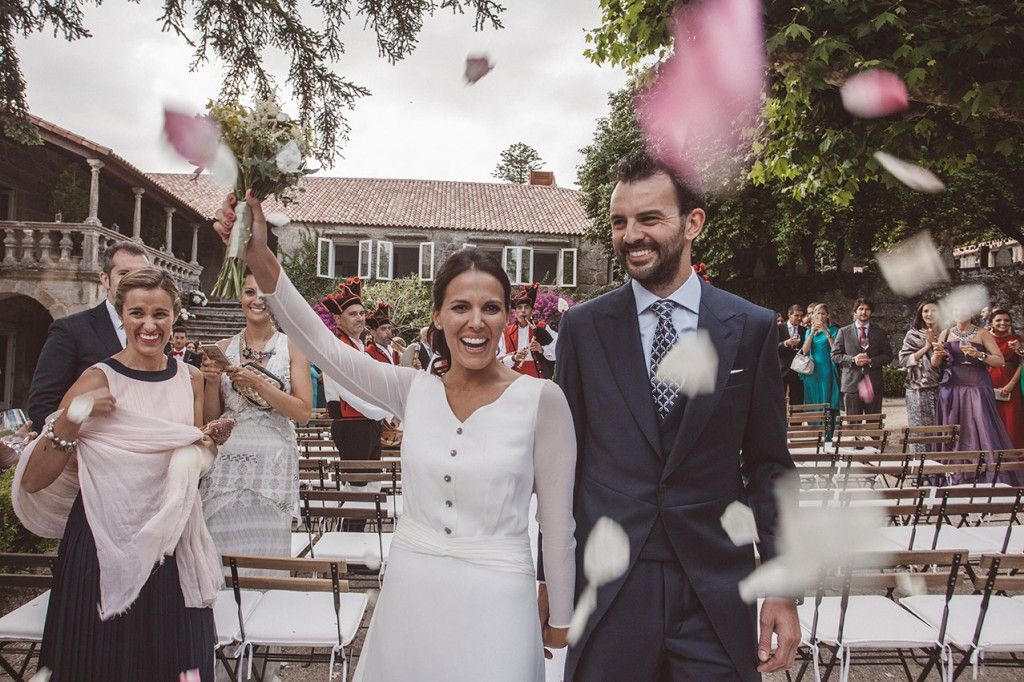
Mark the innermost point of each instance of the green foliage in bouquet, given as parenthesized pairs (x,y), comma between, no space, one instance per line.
(271,150)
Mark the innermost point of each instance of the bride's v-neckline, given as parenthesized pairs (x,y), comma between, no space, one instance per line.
(463,422)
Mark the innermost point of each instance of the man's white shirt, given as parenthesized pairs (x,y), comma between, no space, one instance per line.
(122,335)
(684,313)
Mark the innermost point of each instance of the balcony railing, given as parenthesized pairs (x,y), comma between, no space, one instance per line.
(77,248)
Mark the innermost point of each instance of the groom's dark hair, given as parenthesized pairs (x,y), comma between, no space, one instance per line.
(640,166)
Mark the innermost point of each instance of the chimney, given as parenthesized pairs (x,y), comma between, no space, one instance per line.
(546,178)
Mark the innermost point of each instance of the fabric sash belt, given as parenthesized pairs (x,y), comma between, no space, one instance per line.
(501,553)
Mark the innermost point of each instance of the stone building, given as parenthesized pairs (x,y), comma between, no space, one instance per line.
(383,229)
(61,204)
(996,253)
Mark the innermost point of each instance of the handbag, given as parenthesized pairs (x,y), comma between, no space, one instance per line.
(250,394)
(802,364)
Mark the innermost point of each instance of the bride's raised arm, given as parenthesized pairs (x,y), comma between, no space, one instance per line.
(554,464)
(377,383)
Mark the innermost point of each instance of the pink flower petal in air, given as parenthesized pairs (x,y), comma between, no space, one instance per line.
(190,676)
(477,66)
(694,114)
(194,138)
(866,390)
(874,93)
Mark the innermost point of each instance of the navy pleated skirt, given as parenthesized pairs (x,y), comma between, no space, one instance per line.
(156,640)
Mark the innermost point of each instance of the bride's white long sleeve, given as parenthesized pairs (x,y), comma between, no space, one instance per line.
(378,383)
(554,466)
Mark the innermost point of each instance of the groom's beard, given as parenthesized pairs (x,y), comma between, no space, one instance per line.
(665,267)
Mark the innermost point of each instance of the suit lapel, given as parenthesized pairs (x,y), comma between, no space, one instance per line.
(725,329)
(103,326)
(619,332)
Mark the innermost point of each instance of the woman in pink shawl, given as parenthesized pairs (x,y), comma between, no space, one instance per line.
(119,485)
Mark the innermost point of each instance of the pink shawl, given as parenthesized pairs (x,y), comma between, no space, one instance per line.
(139,478)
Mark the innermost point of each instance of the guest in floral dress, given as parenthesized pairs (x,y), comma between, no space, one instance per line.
(922,383)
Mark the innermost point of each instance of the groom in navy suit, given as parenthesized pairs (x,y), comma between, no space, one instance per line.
(665,467)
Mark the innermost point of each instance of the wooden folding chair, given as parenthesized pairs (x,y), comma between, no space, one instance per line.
(369,549)
(21,630)
(942,437)
(873,624)
(805,439)
(296,612)
(942,468)
(874,421)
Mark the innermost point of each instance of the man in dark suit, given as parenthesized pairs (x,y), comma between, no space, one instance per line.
(178,349)
(791,337)
(77,342)
(425,353)
(665,467)
(861,350)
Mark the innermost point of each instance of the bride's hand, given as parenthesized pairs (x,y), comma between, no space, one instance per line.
(554,638)
(225,216)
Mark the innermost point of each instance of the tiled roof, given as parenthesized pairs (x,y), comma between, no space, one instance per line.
(436,204)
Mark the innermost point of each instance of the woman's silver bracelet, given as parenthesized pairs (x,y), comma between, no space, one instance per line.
(58,443)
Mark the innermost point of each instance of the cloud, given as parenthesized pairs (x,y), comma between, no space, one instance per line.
(421,122)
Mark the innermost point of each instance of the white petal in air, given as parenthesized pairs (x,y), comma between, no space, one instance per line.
(289,159)
(963,303)
(278,219)
(477,66)
(692,364)
(911,584)
(812,539)
(224,169)
(43,675)
(874,93)
(80,409)
(912,266)
(563,305)
(584,610)
(915,177)
(739,524)
(606,556)
(371,558)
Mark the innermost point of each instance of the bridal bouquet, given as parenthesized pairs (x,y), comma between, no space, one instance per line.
(257,148)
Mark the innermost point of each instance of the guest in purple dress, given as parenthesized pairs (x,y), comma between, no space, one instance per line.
(966,396)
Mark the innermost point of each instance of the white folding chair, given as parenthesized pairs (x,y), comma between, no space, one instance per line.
(21,630)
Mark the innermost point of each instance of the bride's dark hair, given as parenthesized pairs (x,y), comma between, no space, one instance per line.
(459,262)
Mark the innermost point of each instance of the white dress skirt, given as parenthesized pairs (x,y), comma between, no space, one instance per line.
(459,595)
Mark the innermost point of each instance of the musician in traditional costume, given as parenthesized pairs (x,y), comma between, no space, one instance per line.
(528,347)
(379,324)
(356,426)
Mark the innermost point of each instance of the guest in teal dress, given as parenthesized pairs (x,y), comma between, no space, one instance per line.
(823,385)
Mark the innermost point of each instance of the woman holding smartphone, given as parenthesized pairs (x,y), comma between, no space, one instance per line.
(823,385)
(1006,379)
(922,383)
(261,381)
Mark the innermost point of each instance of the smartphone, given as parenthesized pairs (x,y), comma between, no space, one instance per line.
(216,356)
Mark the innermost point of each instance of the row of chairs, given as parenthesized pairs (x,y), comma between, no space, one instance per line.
(860,433)
(859,609)
(302,603)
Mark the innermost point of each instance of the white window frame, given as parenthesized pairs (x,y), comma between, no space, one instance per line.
(389,248)
(467,245)
(525,257)
(564,281)
(322,242)
(365,268)
(427,247)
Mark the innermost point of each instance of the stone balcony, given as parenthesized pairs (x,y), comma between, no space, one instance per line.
(59,264)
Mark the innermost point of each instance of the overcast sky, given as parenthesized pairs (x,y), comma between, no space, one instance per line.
(422,121)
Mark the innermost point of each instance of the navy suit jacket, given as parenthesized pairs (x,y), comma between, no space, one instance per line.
(74,344)
(713,450)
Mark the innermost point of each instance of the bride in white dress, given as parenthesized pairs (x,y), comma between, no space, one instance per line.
(459,600)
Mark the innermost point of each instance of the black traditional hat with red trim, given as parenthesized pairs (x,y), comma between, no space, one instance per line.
(382,315)
(527,295)
(348,294)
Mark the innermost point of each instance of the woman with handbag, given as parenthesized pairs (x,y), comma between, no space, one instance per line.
(922,383)
(265,386)
(821,385)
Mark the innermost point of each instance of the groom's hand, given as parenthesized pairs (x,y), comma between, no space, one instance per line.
(778,617)
(544,611)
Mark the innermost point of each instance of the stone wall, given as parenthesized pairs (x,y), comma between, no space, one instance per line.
(892,313)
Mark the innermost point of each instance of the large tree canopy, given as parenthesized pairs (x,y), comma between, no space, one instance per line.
(962,62)
(237,33)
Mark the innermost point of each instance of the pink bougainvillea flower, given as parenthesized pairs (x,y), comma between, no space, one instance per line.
(194,138)
(695,112)
(915,177)
(866,390)
(477,66)
(874,93)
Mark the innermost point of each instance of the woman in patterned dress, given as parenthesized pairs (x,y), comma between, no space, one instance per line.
(251,492)
(922,383)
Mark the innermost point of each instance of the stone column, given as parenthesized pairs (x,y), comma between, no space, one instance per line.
(94,192)
(137,215)
(169,234)
(195,244)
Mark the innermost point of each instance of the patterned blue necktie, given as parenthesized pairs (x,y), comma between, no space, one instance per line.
(665,394)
